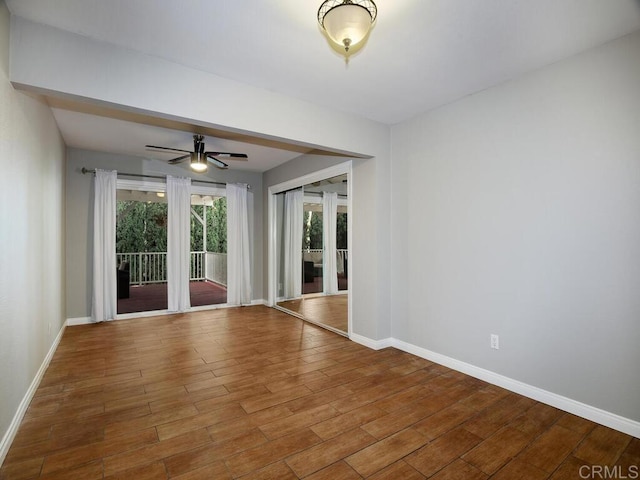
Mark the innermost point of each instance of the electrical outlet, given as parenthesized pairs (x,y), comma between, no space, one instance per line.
(495,342)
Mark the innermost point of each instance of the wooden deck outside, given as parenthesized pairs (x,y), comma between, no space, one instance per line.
(152,297)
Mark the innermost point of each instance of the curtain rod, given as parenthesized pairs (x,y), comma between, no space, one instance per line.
(86,170)
(309,193)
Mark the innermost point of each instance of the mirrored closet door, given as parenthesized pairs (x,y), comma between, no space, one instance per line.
(310,223)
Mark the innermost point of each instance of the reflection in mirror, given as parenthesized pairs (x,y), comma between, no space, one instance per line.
(312,252)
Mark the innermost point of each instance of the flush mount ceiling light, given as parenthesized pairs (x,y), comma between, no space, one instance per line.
(347,22)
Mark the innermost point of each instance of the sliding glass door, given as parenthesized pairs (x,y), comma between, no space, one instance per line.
(141,247)
(141,250)
(208,284)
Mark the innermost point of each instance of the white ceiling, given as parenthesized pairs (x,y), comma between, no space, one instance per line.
(421,53)
(104,133)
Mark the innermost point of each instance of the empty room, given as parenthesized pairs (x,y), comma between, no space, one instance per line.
(334,239)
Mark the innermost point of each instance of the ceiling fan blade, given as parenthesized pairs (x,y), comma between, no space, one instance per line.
(232,156)
(218,163)
(167,148)
(181,159)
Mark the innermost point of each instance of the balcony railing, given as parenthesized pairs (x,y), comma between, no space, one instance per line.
(151,267)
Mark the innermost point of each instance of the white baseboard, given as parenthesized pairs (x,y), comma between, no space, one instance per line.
(603,417)
(373,344)
(78,321)
(11,432)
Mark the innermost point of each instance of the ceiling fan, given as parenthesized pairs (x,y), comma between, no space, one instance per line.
(199,157)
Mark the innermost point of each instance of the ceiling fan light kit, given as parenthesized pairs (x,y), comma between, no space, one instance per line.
(198,162)
(347,22)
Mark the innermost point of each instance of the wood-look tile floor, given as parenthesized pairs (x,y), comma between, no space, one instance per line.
(254,393)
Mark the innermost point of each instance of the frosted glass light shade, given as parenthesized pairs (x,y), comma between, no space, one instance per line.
(198,162)
(347,24)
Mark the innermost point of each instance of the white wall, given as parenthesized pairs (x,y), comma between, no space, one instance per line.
(79,214)
(516,211)
(31,237)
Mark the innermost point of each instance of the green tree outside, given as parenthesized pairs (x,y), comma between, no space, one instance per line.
(341,232)
(217,226)
(142,227)
(312,234)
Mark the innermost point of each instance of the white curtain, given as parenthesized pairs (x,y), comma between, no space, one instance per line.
(238,246)
(178,243)
(104,304)
(342,259)
(329,220)
(293,218)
